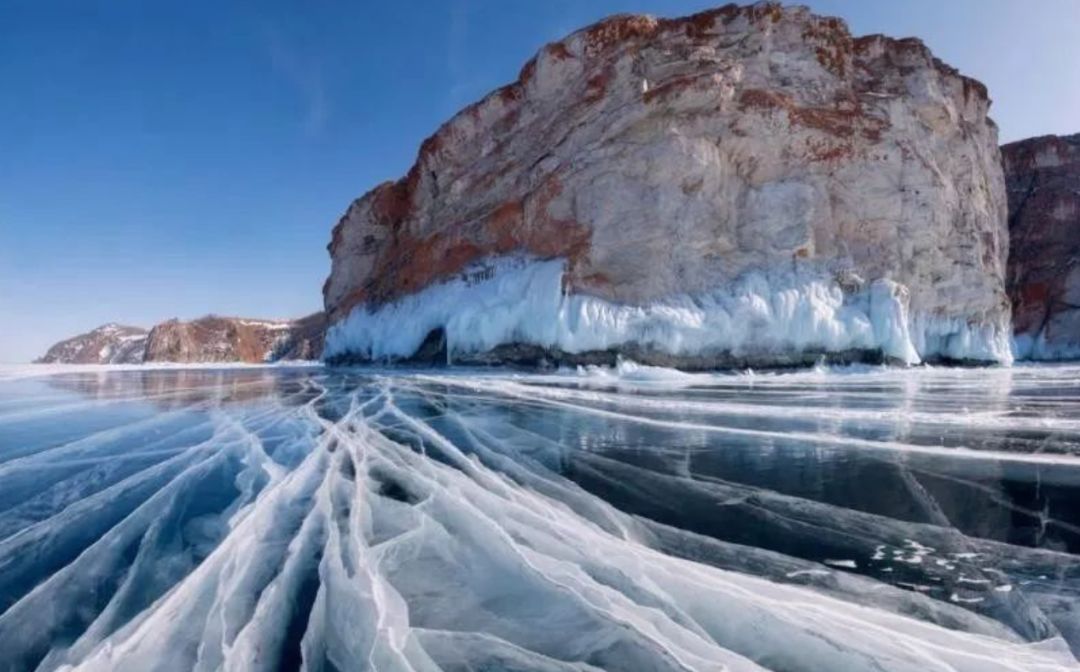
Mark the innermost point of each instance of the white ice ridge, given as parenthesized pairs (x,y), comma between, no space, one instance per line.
(515,300)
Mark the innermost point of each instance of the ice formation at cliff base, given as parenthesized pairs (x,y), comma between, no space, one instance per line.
(762,317)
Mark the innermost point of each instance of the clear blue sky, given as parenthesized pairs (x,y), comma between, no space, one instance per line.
(162,159)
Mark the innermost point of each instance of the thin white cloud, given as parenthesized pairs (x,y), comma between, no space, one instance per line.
(302,71)
(457,35)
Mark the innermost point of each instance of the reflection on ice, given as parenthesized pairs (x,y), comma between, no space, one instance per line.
(636,518)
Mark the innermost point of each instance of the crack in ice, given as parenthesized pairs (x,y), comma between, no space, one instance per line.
(340,521)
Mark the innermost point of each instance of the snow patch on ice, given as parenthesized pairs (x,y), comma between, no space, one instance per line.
(848,564)
(627,371)
(808,572)
(956,597)
(520,300)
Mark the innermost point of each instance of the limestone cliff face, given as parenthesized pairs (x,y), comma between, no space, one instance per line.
(670,157)
(108,344)
(207,339)
(1043,179)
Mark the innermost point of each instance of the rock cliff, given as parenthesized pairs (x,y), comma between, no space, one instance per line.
(230,339)
(747,185)
(108,344)
(1043,180)
(207,339)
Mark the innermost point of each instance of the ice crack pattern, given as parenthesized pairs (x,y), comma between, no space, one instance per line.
(602,519)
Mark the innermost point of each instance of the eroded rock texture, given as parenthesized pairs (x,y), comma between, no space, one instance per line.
(230,339)
(665,157)
(1043,179)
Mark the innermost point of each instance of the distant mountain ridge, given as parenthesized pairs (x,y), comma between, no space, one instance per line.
(108,344)
(207,339)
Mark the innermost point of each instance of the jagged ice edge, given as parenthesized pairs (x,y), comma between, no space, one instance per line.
(521,300)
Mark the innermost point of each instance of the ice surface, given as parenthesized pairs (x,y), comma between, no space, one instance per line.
(516,300)
(620,519)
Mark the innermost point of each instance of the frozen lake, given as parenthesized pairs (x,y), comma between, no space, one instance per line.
(628,519)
